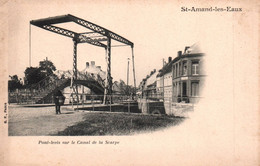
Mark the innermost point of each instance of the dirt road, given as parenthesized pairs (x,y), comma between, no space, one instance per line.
(40,121)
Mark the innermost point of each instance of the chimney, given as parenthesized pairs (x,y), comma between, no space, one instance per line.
(92,63)
(185,50)
(87,64)
(169,59)
(179,53)
(99,67)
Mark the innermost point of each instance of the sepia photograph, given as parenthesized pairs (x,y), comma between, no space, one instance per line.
(130,83)
(92,95)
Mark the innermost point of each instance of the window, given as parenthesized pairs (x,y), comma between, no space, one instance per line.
(179,69)
(184,66)
(184,89)
(195,89)
(195,68)
(173,68)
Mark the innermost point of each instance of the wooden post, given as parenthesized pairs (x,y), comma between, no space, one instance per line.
(133,61)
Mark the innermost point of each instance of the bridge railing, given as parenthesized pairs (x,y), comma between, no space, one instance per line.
(34,92)
(116,102)
(132,104)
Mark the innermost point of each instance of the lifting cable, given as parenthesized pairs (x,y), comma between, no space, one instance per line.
(30,49)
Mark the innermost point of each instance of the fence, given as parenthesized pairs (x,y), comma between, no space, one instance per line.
(21,96)
(133,104)
(115,103)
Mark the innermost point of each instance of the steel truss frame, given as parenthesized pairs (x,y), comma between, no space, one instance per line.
(98,35)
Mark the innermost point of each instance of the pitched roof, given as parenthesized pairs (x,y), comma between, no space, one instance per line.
(151,80)
(194,49)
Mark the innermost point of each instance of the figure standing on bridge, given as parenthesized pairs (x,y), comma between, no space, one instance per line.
(58,100)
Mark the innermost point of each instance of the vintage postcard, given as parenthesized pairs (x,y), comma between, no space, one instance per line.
(133,83)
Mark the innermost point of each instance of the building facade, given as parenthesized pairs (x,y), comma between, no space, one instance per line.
(188,76)
(181,80)
(165,79)
(149,85)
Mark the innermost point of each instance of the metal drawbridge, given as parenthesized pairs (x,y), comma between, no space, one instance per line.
(98,36)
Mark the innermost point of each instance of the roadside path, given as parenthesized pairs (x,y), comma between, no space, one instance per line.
(40,121)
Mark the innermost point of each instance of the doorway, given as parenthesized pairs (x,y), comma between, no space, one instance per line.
(184,89)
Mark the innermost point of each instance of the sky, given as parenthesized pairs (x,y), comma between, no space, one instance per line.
(157,33)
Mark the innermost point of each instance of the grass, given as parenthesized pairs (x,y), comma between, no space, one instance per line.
(119,124)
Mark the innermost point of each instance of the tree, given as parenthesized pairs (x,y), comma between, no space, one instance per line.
(47,67)
(14,83)
(125,89)
(36,74)
(32,75)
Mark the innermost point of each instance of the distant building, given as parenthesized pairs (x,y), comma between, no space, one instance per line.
(94,70)
(164,77)
(148,85)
